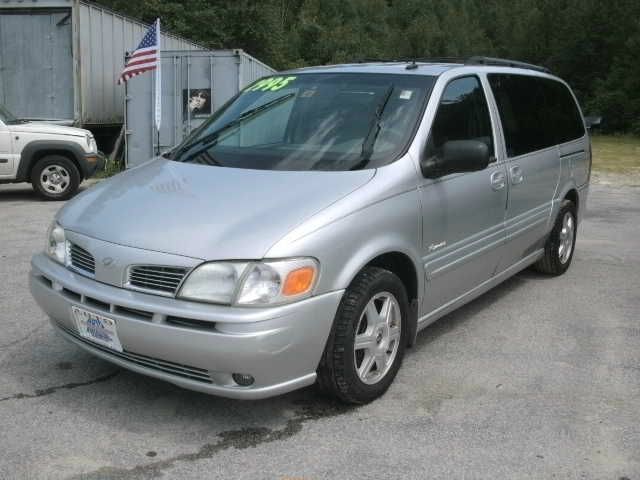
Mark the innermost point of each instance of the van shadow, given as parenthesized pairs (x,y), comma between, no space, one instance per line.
(465,313)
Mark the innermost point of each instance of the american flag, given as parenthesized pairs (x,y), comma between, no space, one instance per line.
(145,57)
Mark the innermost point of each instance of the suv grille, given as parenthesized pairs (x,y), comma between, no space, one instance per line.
(154,278)
(82,260)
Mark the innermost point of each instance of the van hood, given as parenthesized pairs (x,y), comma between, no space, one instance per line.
(48,128)
(205,212)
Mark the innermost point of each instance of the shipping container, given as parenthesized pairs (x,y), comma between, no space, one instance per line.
(194,85)
(60,59)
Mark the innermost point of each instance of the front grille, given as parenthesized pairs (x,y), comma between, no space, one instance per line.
(81,259)
(154,278)
(177,369)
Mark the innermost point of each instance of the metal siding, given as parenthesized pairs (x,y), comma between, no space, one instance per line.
(38,82)
(100,39)
(105,33)
(252,69)
(222,71)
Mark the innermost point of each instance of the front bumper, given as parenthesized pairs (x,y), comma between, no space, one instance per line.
(194,345)
(93,163)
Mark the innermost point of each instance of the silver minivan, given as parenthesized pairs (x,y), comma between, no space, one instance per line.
(316,222)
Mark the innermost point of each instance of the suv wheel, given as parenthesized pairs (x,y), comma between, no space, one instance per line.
(55,177)
(366,345)
(558,251)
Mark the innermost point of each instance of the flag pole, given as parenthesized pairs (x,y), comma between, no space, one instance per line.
(126,140)
(158,106)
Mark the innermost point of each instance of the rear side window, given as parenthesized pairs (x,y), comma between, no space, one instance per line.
(536,112)
(462,115)
(566,114)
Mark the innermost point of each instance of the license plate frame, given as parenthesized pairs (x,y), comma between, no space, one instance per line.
(97,328)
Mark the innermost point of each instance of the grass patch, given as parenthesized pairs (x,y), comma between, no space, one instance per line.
(616,154)
(110,169)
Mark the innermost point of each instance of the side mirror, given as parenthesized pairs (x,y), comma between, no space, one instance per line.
(592,121)
(458,156)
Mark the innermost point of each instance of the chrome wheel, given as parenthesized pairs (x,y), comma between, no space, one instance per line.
(377,338)
(567,233)
(55,179)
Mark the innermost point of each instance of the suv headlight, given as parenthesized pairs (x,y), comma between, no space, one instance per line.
(91,143)
(271,282)
(56,243)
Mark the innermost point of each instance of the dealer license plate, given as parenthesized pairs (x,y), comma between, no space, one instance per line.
(97,328)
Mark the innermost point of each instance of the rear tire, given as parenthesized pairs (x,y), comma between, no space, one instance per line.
(559,248)
(375,311)
(55,177)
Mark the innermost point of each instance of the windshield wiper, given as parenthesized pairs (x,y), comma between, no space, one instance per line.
(373,131)
(211,139)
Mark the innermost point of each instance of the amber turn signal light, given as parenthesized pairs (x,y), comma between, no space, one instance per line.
(299,281)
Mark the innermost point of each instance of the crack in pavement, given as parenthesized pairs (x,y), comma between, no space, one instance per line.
(238,439)
(15,342)
(66,386)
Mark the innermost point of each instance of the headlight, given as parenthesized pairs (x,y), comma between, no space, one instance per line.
(91,143)
(251,283)
(213,282)
(56,243)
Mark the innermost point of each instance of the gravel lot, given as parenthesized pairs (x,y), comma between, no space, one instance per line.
(539,378)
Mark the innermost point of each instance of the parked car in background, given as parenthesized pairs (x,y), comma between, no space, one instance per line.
(53,158)
(314,224)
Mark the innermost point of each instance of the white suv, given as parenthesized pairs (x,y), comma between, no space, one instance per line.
(53,158)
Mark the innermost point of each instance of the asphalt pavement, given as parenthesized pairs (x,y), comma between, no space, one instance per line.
(537,379)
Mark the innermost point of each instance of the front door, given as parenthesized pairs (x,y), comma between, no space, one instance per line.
(463,213)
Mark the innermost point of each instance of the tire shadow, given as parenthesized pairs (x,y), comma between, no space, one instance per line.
(465,313)
(24,193)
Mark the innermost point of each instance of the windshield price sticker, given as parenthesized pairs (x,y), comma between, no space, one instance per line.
(272,84)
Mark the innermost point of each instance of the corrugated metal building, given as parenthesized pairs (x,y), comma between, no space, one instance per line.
(194,85)
(59,60)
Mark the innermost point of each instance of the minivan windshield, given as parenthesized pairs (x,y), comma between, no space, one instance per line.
(304,121)
(7,117)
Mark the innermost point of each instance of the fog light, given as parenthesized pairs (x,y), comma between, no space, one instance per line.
(243,379)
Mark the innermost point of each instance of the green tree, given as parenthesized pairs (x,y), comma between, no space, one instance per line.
(591,44)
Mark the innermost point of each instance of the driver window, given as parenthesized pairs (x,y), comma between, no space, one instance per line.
(462,115)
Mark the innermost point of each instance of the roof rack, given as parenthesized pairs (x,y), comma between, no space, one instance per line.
(503,62)
(411,60)
(475,60)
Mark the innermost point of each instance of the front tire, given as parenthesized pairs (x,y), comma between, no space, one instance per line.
(559,248)
(367,342)
(55,177)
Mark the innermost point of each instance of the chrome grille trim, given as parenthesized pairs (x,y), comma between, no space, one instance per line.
(156,279)
(177,369)
(81,260)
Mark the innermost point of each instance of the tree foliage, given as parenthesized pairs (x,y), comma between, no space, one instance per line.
(591,44)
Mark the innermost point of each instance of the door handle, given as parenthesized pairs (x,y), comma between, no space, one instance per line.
(516,175)
(4,160)
(497,180)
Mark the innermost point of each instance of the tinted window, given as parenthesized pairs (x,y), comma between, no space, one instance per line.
(462,115)
(536,112)
(566,115)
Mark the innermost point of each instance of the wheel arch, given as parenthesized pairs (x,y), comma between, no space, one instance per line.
(572,194)
(39,149)
(401,263)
